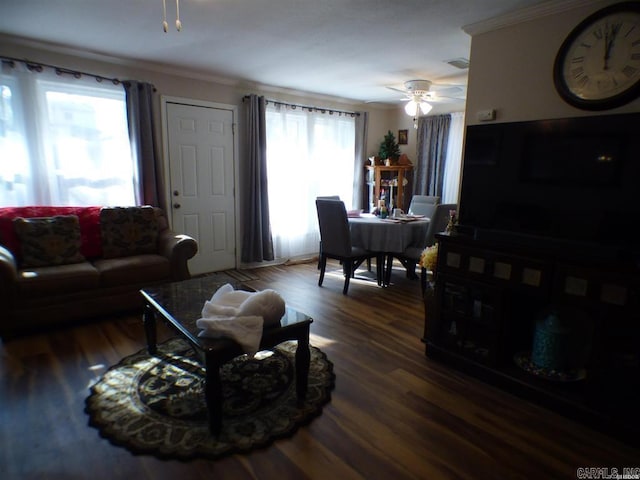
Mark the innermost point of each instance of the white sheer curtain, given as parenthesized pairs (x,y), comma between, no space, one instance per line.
(63,140)
(453,161)
(309,154)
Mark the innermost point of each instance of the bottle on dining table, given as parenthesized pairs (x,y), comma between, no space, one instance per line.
(384,212)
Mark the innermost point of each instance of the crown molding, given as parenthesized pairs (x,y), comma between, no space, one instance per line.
(550,7)
(167,69)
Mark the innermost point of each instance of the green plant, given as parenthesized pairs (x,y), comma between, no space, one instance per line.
(389,148)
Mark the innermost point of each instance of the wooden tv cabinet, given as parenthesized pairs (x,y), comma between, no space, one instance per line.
(488,296)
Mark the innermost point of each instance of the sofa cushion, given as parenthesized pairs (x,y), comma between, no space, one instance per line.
(136,269)
(47,241)
(61,279)
(128,231)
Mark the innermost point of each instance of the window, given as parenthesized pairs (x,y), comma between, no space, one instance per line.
(309,154)
(63,141)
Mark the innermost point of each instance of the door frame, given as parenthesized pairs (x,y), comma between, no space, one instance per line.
(164,100)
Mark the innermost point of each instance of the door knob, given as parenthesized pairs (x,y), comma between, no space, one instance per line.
(176,193)
(176,205)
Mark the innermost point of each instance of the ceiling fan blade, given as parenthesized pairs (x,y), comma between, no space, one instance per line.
(404,92)
(445,99)
(449,89)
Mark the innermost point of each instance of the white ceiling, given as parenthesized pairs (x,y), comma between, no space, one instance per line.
(350,49)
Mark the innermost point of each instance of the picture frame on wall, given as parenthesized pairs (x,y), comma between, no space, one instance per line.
(403,137)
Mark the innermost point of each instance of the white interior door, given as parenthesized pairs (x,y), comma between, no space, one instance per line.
(201,170)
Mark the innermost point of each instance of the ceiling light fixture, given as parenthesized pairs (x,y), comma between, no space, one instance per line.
(165,25)
(411,108)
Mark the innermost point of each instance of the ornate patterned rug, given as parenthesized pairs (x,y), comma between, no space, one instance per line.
(155,404)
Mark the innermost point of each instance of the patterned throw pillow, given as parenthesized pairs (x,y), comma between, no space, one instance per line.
(128,231)
(47,241)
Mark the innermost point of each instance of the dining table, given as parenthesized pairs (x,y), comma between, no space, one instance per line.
(388,236)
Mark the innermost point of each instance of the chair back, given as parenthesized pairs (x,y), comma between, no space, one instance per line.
(423,205)
(439,221)
(334,227)
(329,197)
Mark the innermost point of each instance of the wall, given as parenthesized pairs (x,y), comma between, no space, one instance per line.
(512,69)
(192,85)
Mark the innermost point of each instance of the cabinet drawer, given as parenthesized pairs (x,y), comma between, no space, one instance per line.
(508,271)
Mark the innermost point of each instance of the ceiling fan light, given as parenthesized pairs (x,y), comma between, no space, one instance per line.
(411,108)
(425,107)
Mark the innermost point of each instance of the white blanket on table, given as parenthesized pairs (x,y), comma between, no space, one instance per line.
(240,315)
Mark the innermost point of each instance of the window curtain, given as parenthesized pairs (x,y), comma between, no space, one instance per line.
(257,243)
(139,97)
(63,138)
(433,137)
(360,193)
(453,162)
(309,154)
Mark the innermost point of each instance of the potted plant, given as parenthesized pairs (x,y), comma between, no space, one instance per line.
(389,148)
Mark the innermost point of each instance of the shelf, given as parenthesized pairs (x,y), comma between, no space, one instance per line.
(392,179)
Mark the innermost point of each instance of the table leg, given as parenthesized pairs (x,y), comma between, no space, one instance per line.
(149,321)
(389,267)
(213,393)
(303,358)
(380,269)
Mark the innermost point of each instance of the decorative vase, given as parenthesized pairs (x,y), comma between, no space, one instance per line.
(551,343)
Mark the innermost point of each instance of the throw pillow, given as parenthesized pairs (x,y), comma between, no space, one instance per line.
(47,241)
(128,231)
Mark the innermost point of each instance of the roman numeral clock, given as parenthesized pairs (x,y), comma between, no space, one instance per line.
(598,65)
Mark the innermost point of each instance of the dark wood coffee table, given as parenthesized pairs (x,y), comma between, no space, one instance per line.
(180,304)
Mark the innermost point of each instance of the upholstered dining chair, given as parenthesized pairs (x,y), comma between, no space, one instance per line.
(335,238)
(423,205)
(411,255)
(325,197)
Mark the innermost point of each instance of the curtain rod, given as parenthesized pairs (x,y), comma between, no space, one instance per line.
(309,108)
(39,66)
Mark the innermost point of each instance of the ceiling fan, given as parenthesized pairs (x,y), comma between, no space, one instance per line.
(422,93)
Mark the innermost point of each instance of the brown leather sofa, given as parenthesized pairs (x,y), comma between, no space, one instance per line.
(32,298)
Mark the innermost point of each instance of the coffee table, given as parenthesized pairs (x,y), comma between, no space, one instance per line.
(180,304)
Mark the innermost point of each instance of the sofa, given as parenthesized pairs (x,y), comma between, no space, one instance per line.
(66,264)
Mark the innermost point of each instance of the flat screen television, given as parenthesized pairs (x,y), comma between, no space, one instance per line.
(562,181)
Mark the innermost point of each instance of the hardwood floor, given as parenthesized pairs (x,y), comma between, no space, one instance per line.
(394,414)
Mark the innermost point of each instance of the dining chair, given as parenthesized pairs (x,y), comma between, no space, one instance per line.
(423,205)
(335,238)
(410,257)
(325,197)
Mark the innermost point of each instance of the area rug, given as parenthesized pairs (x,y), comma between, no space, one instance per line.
(240,275)
(155,404)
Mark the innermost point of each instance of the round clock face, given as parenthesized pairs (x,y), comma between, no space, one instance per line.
(598,65)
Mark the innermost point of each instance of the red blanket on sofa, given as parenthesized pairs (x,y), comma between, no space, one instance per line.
(89,217)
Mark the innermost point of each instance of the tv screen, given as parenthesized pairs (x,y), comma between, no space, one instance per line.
(573,180)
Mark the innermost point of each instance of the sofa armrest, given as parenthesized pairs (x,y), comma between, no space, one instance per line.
(8,277)
(178,248)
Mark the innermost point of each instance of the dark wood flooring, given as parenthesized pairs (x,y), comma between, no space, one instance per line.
(394,414)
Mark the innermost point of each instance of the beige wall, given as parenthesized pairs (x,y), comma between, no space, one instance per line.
(511,70)
(191,85)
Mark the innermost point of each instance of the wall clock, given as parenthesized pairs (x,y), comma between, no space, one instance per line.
(598,65)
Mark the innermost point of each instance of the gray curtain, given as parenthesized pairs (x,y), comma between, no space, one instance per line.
(257,243)
(433,137)
(360,193)
(139,97)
